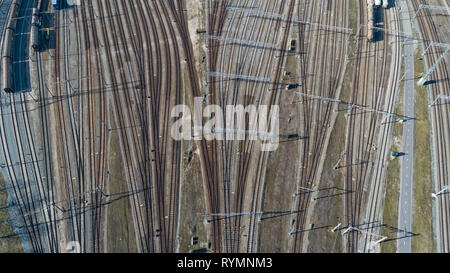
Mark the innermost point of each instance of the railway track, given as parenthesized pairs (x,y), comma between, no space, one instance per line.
(359,161)
(47,172)
(223,154)
(55,215)
(96,102)
(141,79)
(244,181)
(316,116)
(378,173)
(29,195)
(252,184)
(155,215)
(354,201)
(130,173)
(366,154)
(440,119)
(71,189)
(227,150)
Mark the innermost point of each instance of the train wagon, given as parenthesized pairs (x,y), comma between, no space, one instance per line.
(34,37)
(7,56)
(35,30)
(7,74)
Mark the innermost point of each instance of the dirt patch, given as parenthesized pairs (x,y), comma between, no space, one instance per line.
(120,229)
(281,173)
(193,208)
(330,210)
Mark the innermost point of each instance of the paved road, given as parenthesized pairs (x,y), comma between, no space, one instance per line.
(407,167)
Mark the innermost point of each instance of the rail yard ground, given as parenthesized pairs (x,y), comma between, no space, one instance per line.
(95,92)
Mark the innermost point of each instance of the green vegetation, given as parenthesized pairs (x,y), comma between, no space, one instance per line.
(423,216)
(9,242)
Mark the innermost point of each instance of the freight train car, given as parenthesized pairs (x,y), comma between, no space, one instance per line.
(8,47)
(7,74)
(35,30)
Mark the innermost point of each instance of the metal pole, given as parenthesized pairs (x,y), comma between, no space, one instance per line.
(423,80)
(439,97)
(435,195)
